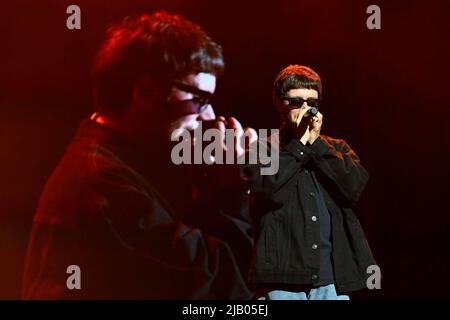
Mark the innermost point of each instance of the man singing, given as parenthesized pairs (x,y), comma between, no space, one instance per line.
(308,243)
(117,210)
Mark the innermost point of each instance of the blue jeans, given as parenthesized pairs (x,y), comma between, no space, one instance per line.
(320,293)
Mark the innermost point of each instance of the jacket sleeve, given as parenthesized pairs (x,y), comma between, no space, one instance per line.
(341,167)
(147,229)
(50,251)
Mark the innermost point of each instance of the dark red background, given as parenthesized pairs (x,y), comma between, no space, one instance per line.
(386,93)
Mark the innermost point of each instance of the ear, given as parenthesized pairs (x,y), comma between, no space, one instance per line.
(145,92)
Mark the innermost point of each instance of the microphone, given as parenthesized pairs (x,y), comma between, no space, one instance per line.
(312,112)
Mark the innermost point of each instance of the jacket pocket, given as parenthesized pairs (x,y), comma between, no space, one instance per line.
(271,238)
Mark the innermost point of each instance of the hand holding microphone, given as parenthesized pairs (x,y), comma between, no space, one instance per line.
(312,112)
(307,122)
(299,108)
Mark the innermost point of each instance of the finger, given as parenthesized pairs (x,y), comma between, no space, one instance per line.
(306,135)
(294,116)
(319,116)
(220,125)
(251,134)
(221,118)
(250,137)
(303,111)
(319,120)
(234,124)
(301,114)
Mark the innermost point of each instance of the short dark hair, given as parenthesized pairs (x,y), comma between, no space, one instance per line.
(295,77)
(160,45)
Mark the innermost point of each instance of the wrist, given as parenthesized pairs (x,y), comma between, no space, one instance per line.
(312,140)
(313,137)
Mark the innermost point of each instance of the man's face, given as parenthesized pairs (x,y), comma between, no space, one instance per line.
(189,103)
(288,113)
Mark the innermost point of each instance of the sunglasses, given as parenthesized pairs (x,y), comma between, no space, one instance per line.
(297,102)
(198,104)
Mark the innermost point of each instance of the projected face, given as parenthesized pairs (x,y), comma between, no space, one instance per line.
(190,101)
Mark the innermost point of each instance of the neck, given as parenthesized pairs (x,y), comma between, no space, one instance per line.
(125,124)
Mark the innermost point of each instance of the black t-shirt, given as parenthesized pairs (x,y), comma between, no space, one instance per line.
(326,265)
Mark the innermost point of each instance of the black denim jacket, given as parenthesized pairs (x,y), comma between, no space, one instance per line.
(282,207)
(122,214)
